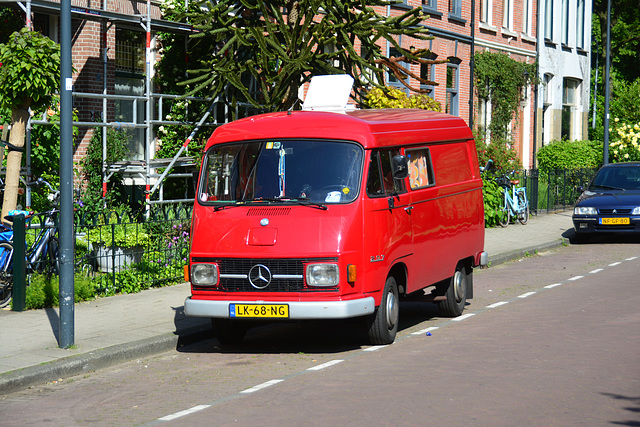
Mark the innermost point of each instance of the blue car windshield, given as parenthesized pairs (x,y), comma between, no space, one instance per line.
(617,178)
(314,171)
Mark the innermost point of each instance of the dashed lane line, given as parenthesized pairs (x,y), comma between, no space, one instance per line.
(368,349)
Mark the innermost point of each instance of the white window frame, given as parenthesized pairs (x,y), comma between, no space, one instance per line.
(548,19)
(507,14)
(486,12)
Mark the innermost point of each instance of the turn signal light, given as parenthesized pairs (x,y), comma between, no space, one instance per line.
(351,273)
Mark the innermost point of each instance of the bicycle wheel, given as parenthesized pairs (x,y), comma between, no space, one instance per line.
(6,273)
(53,253)
(523,213)
(505,215)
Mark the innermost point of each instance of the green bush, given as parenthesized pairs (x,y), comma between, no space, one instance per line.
(493,200)
(396,98)
(569,155)
(43,291)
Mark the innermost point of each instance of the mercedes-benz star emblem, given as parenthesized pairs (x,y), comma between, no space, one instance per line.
(259,276)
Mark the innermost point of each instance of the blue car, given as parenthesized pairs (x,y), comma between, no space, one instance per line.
(611,203)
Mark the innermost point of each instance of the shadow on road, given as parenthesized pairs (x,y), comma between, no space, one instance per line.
(311,336)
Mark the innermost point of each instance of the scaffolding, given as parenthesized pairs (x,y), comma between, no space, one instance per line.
(147,168)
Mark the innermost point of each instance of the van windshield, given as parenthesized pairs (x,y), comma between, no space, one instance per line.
(300,171)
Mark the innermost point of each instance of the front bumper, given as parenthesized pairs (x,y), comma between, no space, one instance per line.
(297,309)
(591,224)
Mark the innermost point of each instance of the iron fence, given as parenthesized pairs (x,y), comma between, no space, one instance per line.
(556,189)
(122,253)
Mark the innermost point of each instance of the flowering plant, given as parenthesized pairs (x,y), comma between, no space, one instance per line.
(625,142)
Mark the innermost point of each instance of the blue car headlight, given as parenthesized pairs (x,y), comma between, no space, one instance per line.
(584,210)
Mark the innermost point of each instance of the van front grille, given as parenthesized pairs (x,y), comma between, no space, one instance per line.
(267,275)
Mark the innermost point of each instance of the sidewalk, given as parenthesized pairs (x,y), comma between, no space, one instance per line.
(113,330)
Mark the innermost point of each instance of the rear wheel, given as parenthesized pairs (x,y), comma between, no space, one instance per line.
(456,293)
(383,323)
(228,331)
(505,215)
(523,215)
(6,273)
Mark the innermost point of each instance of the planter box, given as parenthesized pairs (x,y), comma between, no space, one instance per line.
(117,259)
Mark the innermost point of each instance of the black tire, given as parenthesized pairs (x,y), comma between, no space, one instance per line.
(456,293)
(523,215)
(383,323)
(505,214)
(228,331)
(6,273)
(53,252)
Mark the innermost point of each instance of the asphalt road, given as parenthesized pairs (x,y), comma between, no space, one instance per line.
(549,340)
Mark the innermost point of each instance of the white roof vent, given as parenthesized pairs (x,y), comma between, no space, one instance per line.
(328,93)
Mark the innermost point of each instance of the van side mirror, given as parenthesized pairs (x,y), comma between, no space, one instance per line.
(400,166)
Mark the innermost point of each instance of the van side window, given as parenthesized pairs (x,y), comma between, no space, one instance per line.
(420,168)
(380,181)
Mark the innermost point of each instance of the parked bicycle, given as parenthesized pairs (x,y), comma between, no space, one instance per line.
(41,254)
(516,204)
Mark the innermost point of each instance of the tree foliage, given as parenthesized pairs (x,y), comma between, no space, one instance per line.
(30,70)
(569,155)
(261,51)
(29,74)
(503,81)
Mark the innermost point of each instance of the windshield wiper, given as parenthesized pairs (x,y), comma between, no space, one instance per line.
(302,201)
(608,187)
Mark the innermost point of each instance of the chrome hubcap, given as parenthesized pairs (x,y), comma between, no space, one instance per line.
(392,310)
(458,286)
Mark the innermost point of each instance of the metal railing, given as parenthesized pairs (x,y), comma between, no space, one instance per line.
(556,189)
(123,254)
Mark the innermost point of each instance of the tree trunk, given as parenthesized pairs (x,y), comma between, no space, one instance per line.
(19,118)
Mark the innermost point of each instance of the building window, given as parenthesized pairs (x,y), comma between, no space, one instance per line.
(580,25)
(430,5)
(486,11)
(570,95)
(507,14)
(428,72)
(393,80)
(565,22)
(548,19)
(453,83)
(547,96)
(455,8)
(527,15)
(130,51)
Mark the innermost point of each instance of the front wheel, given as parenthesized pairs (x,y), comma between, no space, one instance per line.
(456,293)
(523,214)
(6,273)
(383,323)
(505,216)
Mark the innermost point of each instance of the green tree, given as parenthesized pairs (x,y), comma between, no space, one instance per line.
(261,51)
(502,80)
(30,72)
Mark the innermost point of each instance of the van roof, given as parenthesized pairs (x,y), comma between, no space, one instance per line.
(371,128)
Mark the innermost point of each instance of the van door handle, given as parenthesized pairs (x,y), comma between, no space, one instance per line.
(408,209)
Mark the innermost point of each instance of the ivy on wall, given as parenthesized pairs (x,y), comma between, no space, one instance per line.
(503,81)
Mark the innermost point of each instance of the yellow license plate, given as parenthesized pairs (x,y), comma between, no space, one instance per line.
(614,221)
(259,310)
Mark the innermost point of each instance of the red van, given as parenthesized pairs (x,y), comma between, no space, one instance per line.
(321,215)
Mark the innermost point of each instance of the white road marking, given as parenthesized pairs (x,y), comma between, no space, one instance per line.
(613,264)
(463,317)
(183,413)
(576,278)
(597,270)
(325,365)
(631,259)
(261,386)
(497,304)
(374,348)
(528,294)
(553,286)
(424,331)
